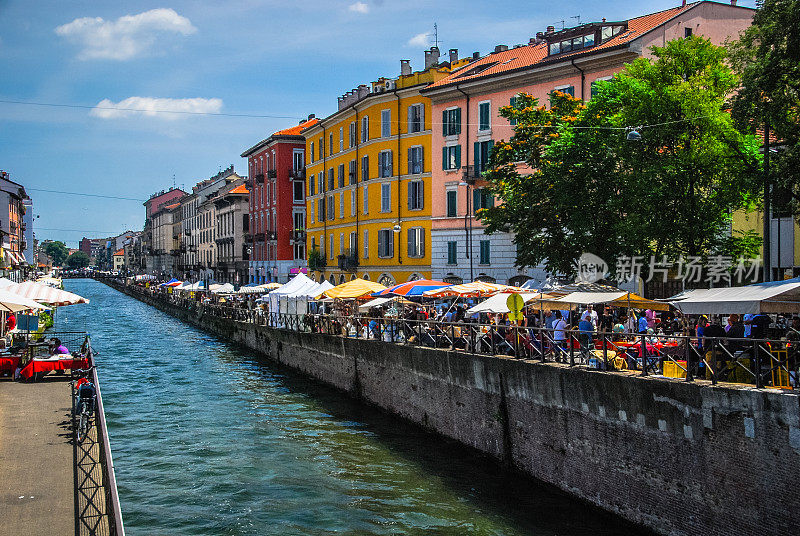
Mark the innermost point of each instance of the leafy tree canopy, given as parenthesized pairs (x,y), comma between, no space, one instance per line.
(57,251)
(79,259)
(767,58)
(588,189)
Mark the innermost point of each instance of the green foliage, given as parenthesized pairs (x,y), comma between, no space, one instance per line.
(57,251)
(767,58)
(45,320)
(316,260)
(591,190)
(79,259)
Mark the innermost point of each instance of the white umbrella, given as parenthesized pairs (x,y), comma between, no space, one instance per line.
(227,288)
(15,303)
(45,293)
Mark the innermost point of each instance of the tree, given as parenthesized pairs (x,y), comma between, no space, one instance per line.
(57,251)
(592,190)
(767,57)
(79,259)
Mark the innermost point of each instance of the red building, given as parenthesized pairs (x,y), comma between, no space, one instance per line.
(276,170)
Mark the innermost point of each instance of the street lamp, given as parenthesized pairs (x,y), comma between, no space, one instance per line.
(468,181)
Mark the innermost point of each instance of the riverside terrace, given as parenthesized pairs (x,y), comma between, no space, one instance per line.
(759,362)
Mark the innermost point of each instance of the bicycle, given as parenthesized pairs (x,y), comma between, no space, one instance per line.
(85,400)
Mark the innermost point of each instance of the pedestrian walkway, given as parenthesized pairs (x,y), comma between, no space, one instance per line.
(37,485)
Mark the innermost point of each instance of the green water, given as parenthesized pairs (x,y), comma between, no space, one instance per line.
(211,439)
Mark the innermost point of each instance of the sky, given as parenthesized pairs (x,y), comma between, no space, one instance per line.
(264,63)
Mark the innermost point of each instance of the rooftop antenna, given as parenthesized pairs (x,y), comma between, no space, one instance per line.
(436,35)
(577,17)
(563,23)
(173,181)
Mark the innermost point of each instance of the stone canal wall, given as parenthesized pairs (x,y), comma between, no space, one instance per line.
(680,458)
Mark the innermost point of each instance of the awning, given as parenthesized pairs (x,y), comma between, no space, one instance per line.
(616,299)
(45,294)
(499,302)
(475,289)
(773,297)
(352,289)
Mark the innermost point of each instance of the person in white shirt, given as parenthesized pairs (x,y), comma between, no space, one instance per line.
(591,315)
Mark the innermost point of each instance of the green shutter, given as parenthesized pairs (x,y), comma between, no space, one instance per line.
(477,158)
(458,156)
(513,105)
(444,122)
(476,199)
(458,121)
(444,157)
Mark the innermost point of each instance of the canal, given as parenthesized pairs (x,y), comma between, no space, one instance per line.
(209,438)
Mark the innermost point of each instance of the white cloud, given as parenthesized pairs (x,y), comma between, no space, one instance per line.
(154,107)
(419,40)
(359,7)
(126,37)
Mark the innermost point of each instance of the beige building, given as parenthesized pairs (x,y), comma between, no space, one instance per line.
(232,222)
(164,246)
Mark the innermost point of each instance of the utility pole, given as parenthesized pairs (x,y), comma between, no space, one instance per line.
(767,208)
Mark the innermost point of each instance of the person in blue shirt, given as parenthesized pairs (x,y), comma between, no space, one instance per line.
(643,324)
(586,329)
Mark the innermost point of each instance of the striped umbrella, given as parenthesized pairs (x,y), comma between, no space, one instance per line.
(45,294)
(411,288)
(476,289)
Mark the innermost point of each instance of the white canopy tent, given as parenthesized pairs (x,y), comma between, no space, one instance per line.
(773,297)
(499,302)
(297,286)
(226,288)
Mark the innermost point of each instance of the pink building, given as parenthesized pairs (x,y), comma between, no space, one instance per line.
(467,101)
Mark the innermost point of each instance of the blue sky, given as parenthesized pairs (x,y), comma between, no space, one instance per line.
(253,57)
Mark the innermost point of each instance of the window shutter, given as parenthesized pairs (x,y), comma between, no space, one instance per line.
(409,118)
(420,194)
(458,156)
(444,122)
(410,160)
(390,159)
(422,160)
(444,158)
(410,195)
(421,245)
(477,157)
(422,117)
(476,199)
(411,245)
(458,120)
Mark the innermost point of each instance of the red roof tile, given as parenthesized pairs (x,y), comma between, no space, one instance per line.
(295,130)
(241,189)
(530,55)
(119,253)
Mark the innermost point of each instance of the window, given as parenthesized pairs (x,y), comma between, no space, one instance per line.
(298,159)
(385,243)
(566,89)
(353,134)
(385,164)
(331,184)
(311,185)
(452,203)
(485,256)
(298,191)
(365,201)
(341,176)
(595,85)
(588,40)
(312,151)
(484,121)
(452,252)
(481,199)
(341,139)
(365,248)
(321,149)
(386,123)
(364,168)
(352,245)
(415,195)
(416,242)
(351,172)
(330,240)
(482,151)
(331,208)
(353,198)
(320,183)
(687,32)
(386,197)
(513,104)
(320,210)
(341,244)
(299,221)
(330,143)
(364,129)
(415,165)
(451,121)
(341,205)
(451,157)
(555,48)
(416,118)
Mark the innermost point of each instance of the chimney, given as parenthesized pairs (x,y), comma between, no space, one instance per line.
(733,2)
(311,116)
(683,4)
(453,55)
(431,57)
(551,29)
(405,67)
(500,48)
(476,56)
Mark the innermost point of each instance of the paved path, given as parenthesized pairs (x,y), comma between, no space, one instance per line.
(37,486)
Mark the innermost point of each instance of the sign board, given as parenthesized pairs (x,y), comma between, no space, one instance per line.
(515,304)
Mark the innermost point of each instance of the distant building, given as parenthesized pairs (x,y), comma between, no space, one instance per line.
(232,222)
(13,200)
(119,260)
(277,235)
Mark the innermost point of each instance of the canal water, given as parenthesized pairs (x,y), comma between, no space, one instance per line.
(210,439)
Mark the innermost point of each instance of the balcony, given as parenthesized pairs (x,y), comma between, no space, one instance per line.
(470,174)
(349,261)
(299,235)
(316,263)
(259,177)
(297,173)
(272,173)
(258,237)
(271,235)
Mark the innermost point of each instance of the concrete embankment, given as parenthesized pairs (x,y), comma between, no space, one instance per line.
(680,458)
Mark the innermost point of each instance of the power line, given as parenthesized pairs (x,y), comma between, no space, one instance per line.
(117,109)
(84,194)
(36,228)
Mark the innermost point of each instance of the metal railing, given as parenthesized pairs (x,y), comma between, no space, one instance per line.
(760,362)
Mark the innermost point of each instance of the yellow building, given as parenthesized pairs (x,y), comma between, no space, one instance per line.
(784,236)
(368,169)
